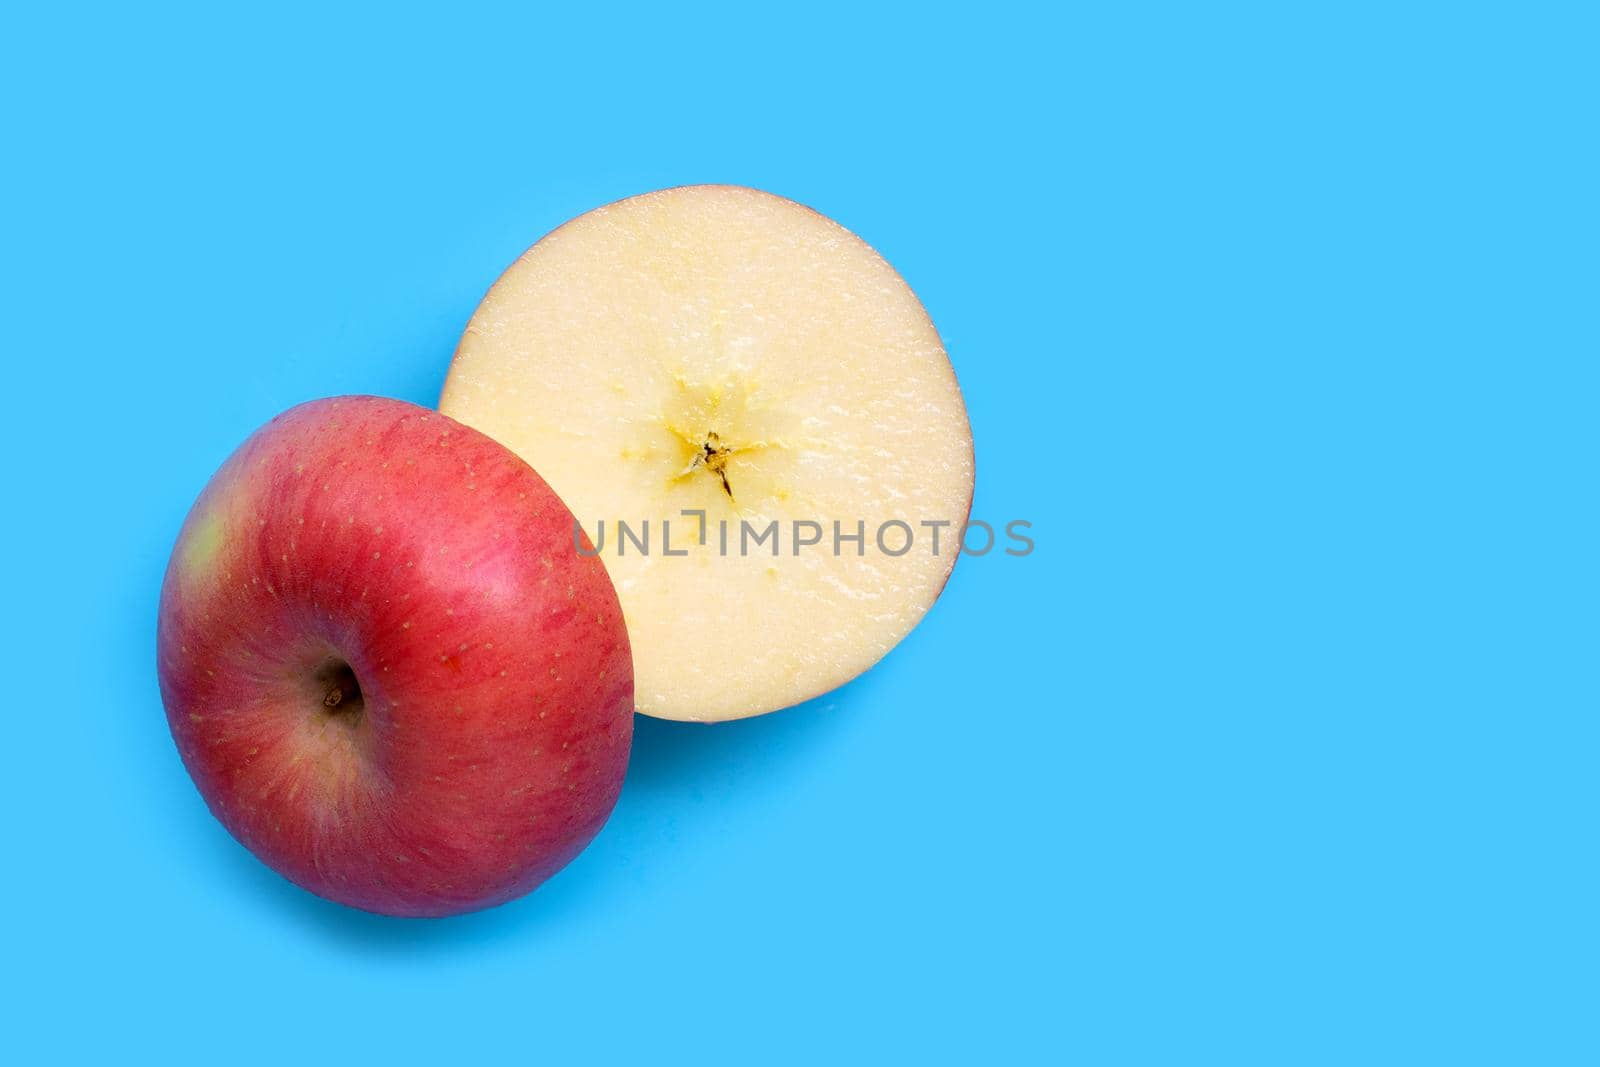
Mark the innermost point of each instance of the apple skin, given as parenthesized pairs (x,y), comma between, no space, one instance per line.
(484,739)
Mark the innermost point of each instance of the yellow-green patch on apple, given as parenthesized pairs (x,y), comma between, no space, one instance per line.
(202,544)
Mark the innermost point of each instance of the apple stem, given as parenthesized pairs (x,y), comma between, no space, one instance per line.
(342,694)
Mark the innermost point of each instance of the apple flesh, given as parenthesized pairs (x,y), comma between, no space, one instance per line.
(721,351)
(385,665)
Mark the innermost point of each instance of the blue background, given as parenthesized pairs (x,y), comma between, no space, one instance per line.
(1280,327)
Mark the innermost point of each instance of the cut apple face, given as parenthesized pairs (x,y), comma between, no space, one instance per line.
(753,418)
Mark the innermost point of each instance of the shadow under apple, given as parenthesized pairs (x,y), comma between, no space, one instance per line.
(682,774)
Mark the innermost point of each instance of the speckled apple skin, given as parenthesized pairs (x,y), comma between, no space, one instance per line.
(496,681)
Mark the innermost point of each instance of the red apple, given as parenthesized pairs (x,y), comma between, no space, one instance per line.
(389,671)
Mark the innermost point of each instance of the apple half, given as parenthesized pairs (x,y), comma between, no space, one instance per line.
(754,419)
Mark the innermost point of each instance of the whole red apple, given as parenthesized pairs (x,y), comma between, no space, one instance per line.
(387,668)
